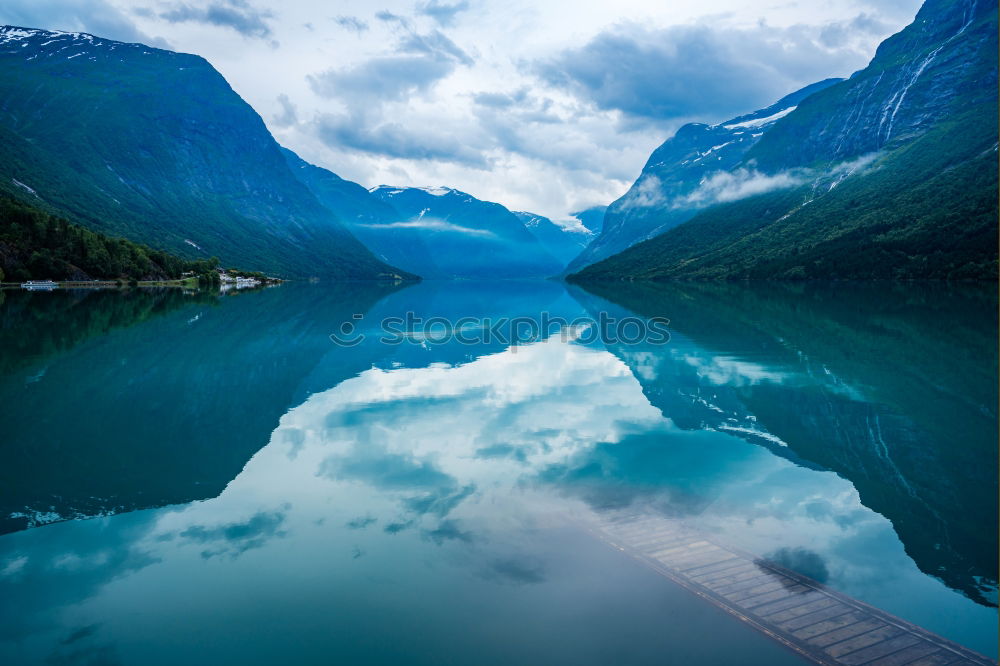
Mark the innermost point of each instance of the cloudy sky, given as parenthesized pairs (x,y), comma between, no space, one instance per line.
(545,106)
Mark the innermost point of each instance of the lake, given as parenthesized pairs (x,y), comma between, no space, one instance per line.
(280,476)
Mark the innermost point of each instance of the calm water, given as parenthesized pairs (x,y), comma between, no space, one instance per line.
(209,479)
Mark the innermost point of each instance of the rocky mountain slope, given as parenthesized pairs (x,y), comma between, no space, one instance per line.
(155,146)
(369,218)
(889,174)
(665,194)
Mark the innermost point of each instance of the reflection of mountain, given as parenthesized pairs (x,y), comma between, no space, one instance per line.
(482,304)
(892,387)
(168,410)
(36,326)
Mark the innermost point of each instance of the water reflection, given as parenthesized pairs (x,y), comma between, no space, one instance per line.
(407,495)
(892,387)
(116,401)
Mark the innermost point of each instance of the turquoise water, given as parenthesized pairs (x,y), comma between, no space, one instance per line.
(204,479)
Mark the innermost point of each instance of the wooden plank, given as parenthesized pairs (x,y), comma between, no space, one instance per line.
(831,624)
(680,546)
(862,626)
(741,576)
(820,624)
(907,655)
(634,528)
(808,614)
(699,556)
(762,599)
(686,542)
(769,584)
(659,544)
(748,583)
(879,650)
(885,632)
(693,560)
(651,536)
(697,564)
(796,600)
(713,573)
(943,658)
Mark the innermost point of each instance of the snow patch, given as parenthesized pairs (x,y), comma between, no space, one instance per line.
(438,191)
(754,433)
(16,34)
(760,122)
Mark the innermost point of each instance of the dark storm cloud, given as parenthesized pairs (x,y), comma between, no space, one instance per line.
(235,14)
(93,16)
(702,71)
(443,13)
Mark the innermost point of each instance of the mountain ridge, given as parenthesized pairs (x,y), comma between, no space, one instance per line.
(676,169)
(172,157)
(890,174)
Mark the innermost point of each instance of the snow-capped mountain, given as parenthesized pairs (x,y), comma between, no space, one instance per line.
(466,237)
(660,198)
(890,174)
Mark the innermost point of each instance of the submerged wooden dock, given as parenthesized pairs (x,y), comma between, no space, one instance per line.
(820,624)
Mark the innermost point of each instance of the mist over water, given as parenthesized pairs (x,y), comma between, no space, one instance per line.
(218,468)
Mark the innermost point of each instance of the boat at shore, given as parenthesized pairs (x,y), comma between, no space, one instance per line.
(39,285)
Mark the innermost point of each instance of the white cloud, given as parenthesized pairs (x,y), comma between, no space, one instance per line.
(723,186)
(430,224)
(726,186)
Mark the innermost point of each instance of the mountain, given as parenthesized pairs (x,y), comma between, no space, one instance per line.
(370,219)
(664,195)
(889,174)
(155,146)
(562,243)
(37,246)
(440,232)
(467,237)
